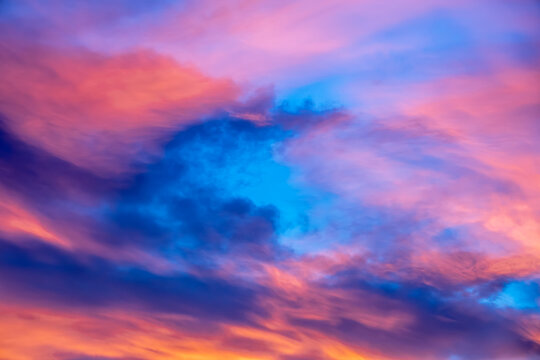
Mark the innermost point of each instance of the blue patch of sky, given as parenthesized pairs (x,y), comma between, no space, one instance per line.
(520,295)
(244,163)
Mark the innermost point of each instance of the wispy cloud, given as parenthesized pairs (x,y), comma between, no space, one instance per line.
(269,180)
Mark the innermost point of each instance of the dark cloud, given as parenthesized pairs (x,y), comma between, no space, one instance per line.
(170,205)
(39,176)
(165,205)
(444,323)
(41,274)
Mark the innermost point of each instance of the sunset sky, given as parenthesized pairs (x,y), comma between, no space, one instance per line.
(269,180)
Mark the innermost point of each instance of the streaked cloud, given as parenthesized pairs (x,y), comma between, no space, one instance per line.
(269,180)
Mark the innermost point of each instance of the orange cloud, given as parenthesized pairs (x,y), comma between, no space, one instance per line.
(64,335)
(16,219)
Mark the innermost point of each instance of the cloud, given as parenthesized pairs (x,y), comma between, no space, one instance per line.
(98,110)
(62,279)
(375,198)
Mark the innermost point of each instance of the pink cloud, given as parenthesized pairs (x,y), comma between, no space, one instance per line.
(462,153)
(97,111)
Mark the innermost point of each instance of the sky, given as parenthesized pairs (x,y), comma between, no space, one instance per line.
(269,180)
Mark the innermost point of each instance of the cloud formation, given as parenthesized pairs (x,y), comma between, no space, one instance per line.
(269,180)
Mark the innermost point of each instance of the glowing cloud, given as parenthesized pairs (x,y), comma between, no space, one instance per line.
(269,180)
